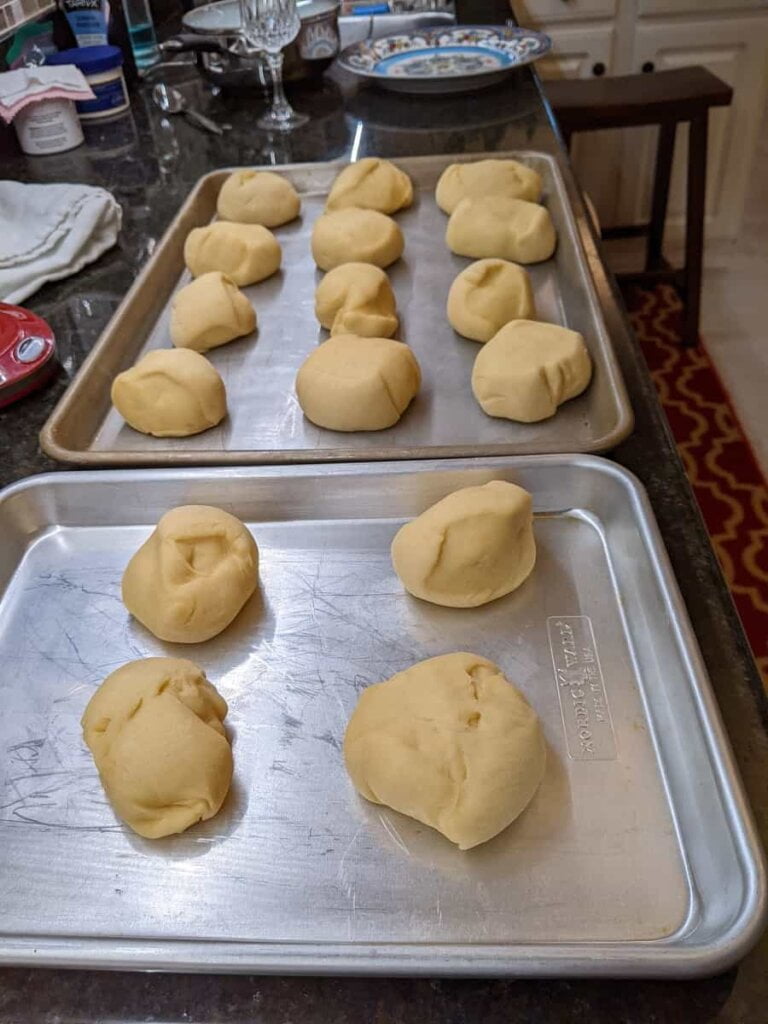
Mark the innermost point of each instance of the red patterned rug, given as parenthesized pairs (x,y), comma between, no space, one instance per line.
(720,464)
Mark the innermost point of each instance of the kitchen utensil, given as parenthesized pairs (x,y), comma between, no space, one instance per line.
(265,423)
(637,856)
(171,101)
(212,31)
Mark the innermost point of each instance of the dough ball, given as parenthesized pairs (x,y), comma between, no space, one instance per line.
(171,392)
(487,295)
(371,184)
(246,252)
(357,298)
(482,178)
(469,548)
(353,383)
(155,729)
(528,369)
(507,229)
(210,311)
(356,236)
(189,580)
(449,742)
(258,197)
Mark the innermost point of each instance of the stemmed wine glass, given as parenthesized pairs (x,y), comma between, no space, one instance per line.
(268,26)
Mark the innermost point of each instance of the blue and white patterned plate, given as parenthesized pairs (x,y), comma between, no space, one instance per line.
(444,59)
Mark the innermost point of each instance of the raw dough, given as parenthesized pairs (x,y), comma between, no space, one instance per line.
(258,197)
(449,742)
(487,295)
(528,369)
(353,383)
(508,229)
(246,252)
(189,580)
(471,547)
(487,178)
(357,298)
(372,184)
(171,392)
(210,311)
(354,235)
(155,729)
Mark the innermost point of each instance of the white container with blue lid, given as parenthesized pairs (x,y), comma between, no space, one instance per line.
(103,68)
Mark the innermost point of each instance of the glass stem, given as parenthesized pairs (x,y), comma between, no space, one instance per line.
(281,108)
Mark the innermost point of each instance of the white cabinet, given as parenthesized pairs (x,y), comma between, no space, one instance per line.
(580,52)
(736,50)
(528,12)
(730,37)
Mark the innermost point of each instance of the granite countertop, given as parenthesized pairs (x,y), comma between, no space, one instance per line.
(150,167)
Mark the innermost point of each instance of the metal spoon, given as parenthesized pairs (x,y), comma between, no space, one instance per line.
(171,101)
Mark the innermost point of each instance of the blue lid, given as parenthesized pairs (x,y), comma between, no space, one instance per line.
(90,59)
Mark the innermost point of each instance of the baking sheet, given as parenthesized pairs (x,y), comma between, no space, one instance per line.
(637,855)
(266,424)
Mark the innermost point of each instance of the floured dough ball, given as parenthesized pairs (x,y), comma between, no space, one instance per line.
(449,742)
(356,236)
(171,392)
(371,184)
(357,298)
(528,369)
(473,546)
(482,178)
(155,729)
(245,252)
(497,227)
(210,311)
(258,197)
(353,383)
(487,295)
(189,580)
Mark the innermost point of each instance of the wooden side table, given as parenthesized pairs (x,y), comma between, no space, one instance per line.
(664,98)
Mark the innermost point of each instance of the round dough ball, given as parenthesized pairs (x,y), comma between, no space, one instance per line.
(357,236)
(449,742)
(473,546)
(353,383)
(189,580)
(210,311)
(487,295)
(482,178)
(528,369)
(258,197)
(357,298)
(171,392)
(245,252)
(371,184)
(507,229)
(155,729)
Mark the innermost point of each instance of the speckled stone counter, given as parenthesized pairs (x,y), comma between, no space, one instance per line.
(150,166)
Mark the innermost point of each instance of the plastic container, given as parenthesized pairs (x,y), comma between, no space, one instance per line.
(49,126)
(103,68)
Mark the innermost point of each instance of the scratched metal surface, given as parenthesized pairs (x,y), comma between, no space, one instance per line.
(265,421)
(636,855)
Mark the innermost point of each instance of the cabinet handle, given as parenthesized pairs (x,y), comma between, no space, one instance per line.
(598,69)
(648,67)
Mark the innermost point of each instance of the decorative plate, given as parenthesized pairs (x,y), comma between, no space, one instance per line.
(444,59)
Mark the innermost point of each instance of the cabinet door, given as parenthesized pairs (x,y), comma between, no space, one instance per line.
(735,49)
(580,52)
(540,13)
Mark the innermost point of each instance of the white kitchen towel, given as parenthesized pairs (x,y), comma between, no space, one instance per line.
(51,231)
